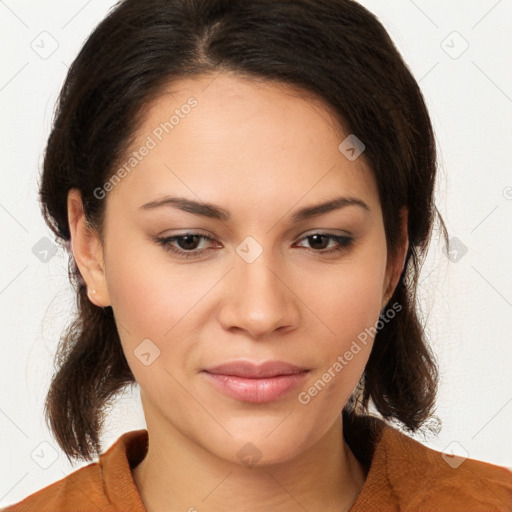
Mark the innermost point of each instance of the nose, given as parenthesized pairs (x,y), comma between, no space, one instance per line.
(258,298)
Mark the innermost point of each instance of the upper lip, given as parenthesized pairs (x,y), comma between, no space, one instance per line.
(253,370)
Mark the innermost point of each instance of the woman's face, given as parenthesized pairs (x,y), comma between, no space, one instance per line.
(264,286)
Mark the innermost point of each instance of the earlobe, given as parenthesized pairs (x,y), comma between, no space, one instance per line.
(87,250)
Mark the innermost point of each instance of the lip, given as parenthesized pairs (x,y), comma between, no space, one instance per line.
(251,370)
(249,382)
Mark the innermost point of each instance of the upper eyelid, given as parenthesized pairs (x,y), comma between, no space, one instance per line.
(298,239)
(309,232)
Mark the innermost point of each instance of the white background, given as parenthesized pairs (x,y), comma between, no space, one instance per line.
(468,303)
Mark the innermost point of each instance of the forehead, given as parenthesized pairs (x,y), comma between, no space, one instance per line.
(227,140)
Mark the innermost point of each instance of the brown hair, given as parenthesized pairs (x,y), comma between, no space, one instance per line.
(335,49)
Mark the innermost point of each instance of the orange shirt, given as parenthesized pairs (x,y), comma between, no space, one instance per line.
(403,475)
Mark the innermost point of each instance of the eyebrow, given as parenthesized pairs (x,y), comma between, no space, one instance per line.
(213,211)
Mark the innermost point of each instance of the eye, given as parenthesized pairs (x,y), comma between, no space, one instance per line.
(185,245)
(320,241)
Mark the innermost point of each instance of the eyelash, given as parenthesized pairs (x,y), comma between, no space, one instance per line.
(344,243)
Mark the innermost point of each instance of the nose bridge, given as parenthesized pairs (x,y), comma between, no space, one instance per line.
(258,301)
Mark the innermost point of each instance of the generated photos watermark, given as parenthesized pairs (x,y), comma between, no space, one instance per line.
(151,142)
(343,360)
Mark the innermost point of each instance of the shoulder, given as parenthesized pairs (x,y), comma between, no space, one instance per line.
(105,485)
(82,485)
(426,479)
(403,474)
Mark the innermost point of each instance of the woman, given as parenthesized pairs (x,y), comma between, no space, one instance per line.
(246,190)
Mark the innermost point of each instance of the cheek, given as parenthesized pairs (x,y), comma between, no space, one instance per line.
(150,300)
(350,299)
(157,300)
(149,295)
(343,354)
(349,304)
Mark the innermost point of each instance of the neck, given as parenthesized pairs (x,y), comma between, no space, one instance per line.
(176,474)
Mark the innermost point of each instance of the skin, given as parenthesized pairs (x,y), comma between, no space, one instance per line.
(261,151)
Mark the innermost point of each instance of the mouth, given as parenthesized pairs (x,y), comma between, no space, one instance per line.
(249,382)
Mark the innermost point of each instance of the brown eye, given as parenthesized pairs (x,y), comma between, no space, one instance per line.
(187,242)
(320,241)
(184,245)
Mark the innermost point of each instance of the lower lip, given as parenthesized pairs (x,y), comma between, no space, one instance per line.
(256,390)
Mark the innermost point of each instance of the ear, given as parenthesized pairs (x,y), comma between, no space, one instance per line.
(87,251)
(396,265)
